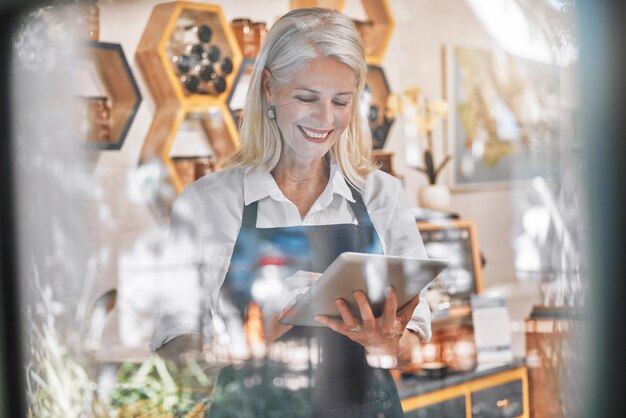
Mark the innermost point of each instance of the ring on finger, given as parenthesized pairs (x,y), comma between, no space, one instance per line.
(356,329)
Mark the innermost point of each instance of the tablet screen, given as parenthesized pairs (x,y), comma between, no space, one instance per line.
(371,273)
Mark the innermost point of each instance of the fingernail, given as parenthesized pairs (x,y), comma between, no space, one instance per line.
(317,318)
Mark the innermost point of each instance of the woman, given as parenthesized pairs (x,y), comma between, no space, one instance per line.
(302,176)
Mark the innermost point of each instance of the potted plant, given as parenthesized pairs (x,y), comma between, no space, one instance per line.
(424,115)
(433,196)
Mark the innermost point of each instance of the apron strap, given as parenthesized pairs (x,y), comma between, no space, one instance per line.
(359,209)
(249,215)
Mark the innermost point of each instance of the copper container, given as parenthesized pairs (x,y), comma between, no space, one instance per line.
(98,118)
(98,109)
(186,169)
(202,168)
(431,352)
(460,355)
(88,20)
(259,30)
(245,36)
(553,348)
(93,22)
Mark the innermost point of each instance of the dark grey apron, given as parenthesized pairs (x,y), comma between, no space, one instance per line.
(341,384)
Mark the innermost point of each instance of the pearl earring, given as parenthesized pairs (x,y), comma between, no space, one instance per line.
(271,112)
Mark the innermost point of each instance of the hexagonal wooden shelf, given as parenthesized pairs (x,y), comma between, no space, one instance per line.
(326,4)
(376,39)
(181,41)
(376,32)
(214,123)
(376,97)
(122,94)
(184,42)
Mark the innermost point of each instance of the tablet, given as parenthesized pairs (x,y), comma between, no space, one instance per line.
(371,273)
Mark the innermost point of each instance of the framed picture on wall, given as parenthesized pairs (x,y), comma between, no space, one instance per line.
(505,117)
(455,241)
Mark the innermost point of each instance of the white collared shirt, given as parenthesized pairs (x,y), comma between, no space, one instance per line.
(205,223)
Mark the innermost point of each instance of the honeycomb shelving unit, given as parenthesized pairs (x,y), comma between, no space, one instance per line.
(379,13)
(181,41)
(216,125)
(122,93)
(379,17)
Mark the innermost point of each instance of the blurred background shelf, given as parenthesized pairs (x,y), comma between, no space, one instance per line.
(189,57)
(109,114)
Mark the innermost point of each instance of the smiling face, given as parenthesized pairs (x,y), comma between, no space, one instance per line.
(313,109)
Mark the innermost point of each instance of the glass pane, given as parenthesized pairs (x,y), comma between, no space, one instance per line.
(157,280)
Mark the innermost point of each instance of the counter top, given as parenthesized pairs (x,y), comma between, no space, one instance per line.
(414,385)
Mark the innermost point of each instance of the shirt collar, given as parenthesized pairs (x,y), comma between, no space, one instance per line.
(338,184)
(259,184)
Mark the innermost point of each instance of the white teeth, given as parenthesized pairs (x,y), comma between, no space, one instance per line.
(315,135)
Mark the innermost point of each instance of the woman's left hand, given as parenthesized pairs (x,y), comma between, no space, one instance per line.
(379,336)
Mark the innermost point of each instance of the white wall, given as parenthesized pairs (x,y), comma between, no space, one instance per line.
(413,58)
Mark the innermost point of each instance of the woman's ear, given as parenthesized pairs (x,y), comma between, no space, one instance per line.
(266,76)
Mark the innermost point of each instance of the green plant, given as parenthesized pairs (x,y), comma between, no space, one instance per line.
(424,115)
(57,385)
(149,390)
(427,116)
(60,375)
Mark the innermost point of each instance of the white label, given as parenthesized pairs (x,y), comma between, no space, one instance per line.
(492,330)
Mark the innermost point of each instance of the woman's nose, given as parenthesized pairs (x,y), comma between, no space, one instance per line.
(324,114)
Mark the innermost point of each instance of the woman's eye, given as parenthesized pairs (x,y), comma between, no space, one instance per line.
(306,99)
(342,104)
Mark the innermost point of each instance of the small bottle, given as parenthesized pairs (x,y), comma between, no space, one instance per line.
(207,73)
(195,33)
(191,83)
(197,51)
(204,33)
(213,53)
(184,63)
(226,66)
(214,87)
(219,84)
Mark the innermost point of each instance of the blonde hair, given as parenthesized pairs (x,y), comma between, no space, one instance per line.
(296,38)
